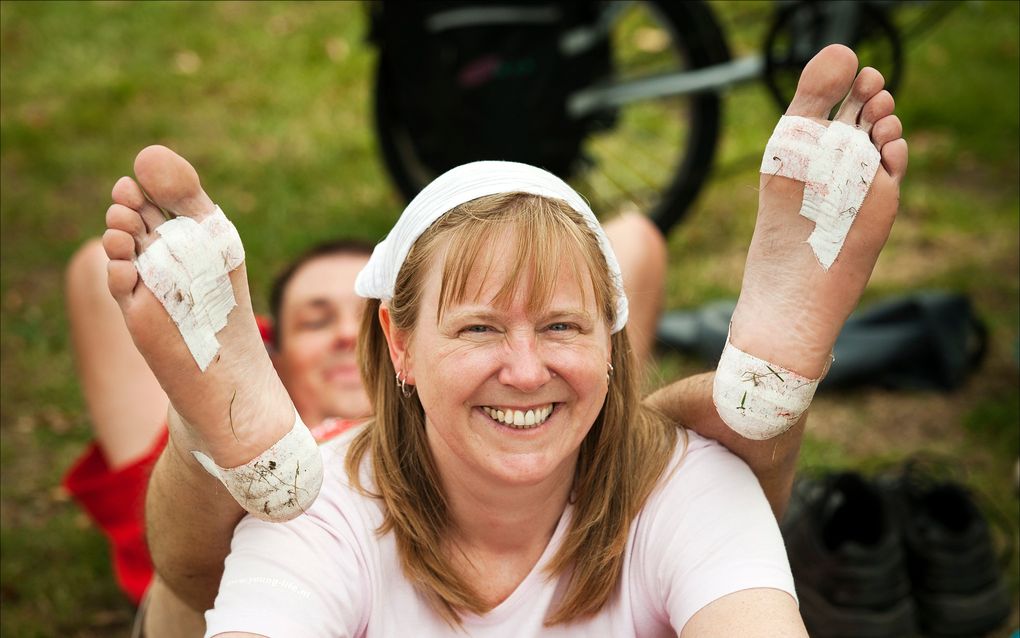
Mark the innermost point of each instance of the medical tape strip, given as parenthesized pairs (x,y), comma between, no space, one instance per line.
(757,399)
(187,269)
(278,484)
(837,164)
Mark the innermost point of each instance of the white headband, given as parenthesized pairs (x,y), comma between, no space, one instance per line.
(463,184)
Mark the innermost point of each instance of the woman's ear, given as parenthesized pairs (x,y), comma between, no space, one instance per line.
(398,342)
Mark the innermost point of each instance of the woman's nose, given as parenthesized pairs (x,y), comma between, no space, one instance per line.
(523,366)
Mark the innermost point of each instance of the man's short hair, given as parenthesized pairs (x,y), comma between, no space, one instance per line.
(324,249)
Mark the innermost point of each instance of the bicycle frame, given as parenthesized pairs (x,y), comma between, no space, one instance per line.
(708,79)
(842,21)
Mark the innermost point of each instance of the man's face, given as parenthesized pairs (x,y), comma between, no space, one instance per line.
(317,335)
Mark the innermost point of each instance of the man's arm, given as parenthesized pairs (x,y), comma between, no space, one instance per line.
(165,615)
(190,519)
(773,461)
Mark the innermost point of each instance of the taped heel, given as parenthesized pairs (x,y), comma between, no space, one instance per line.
(757,399)
(278,484)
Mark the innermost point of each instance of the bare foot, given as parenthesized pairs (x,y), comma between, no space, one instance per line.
(238,407)
(790,309)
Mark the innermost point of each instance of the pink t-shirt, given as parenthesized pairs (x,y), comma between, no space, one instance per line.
(705,532)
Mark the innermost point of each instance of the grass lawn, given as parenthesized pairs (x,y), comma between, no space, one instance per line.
(272,102)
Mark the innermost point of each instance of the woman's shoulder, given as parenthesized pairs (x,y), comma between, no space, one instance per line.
(339,495)
(705,495)
(704,533)
(692,447)
(701,465)
(334,449)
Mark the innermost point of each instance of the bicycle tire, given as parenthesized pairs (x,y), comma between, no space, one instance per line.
(874,30)
(694,35)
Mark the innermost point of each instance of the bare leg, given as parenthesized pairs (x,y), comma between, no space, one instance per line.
(126,405)
(641,250)
(234,410)
(785,292)
(238,407)
(790,310)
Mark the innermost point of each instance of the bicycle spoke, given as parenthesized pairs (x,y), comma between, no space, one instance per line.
(595,191)
(606,149)
(648,152)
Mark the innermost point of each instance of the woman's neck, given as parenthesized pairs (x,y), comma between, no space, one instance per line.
(496,517)
(504,520)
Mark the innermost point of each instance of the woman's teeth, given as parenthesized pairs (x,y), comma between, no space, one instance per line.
(520,419)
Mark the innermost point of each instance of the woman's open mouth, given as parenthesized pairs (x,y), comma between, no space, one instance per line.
(519,419)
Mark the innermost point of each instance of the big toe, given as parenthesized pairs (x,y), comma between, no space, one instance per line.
(171,182)
(824,82)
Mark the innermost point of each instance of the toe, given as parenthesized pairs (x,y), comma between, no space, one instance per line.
(878,107)
(824,82)
(129,194)
(119,245)
(121,277)
(126,193)
(171,182)
(894,158)
(127,220)
(867,85)
(120,217)
(886,130)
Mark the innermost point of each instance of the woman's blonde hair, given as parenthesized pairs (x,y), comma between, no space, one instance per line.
(619,461)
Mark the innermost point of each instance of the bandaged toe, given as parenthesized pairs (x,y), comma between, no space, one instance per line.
(757,399)
(837,164)
(187,269)
(278,484)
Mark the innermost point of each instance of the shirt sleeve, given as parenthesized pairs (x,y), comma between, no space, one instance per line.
(305,577)
(706,533)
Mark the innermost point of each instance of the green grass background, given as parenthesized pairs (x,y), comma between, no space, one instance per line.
(272,103)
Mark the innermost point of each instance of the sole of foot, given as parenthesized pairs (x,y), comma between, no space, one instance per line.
(790,309)
(238,407)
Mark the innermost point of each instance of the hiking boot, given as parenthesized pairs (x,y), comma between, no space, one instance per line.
(847,560)
(959,589)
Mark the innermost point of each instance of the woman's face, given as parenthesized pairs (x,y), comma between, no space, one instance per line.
(508,396)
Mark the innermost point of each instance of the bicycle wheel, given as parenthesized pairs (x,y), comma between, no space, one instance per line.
(802,29)
(648,154)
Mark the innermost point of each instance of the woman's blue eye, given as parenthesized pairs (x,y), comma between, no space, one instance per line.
(560,327)
(477,329)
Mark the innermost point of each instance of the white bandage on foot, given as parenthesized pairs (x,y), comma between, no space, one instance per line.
(187,270)
(837,164)
(758,399)
(278,484)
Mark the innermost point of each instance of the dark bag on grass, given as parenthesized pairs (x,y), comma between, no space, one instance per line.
(923,341)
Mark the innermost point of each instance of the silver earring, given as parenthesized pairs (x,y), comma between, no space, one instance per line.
(405,389)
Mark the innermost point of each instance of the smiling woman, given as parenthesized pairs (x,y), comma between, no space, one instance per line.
(502,313)
(511,482)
